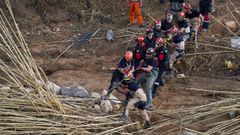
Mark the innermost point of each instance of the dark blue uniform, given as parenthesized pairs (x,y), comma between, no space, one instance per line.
(148,43)
(163,59)
(157,34)
(117,76)
(138,55)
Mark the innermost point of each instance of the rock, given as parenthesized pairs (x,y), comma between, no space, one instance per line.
(97,107)
(53,86)
(74,91)
(232,25)
(188,133)
(233,115)
(110,35)
(95,95)
(181,76)
(235,43)
(106,106)
(84,50)
(116,106)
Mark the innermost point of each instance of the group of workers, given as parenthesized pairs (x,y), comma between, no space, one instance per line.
(155,53)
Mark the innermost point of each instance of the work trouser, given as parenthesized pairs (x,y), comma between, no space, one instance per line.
(205,19)
(116,77)
(138,101)
(148,79)
(159,80)
(194,25)
(135,11)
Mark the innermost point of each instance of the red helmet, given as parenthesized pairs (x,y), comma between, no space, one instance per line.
(174,30)
(149,30)
(128,55)
(140,39)
(160,41)
(187,6)
(158,23)
(181,14)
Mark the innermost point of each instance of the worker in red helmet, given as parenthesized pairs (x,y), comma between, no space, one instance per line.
(176,6)
(193,17)
(138,54)
(183,26)
(177,50)
(135,10)
(157,32)
(161,53)
(125,68)
(148,40)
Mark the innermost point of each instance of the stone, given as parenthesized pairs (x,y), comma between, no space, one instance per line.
(181,76)
(235,43)
(106,106)
(233,114)
(95,95)
(110,35)
(53,86)
(74,91)
(232,25)
(97,107)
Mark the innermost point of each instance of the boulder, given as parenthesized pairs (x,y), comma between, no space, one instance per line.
(74,91)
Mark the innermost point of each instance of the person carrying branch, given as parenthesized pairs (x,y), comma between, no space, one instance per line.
(135,10)
(135,99)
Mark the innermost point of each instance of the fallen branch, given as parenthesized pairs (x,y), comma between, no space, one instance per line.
(213,52)
(213,91)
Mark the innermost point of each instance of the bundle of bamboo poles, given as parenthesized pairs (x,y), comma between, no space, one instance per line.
(19,116)
(213,118)
(22,71)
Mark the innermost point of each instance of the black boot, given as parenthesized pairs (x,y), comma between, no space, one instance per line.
(147,124)
(154,91)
